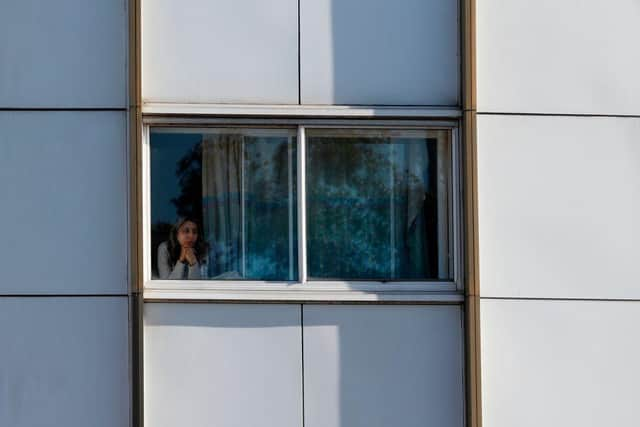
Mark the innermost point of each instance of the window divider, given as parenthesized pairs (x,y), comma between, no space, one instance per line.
(243,201)
(146,205)
(456,209)
(302,204)
(290,181)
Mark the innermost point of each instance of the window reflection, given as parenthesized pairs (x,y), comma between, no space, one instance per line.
(377,205)
(224,204)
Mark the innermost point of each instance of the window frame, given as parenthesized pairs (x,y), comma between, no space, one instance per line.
(301,290)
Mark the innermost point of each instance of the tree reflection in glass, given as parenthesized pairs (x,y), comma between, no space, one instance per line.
(377,206)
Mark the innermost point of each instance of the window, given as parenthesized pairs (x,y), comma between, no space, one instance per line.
(302,208)
(377,205)
(238,188)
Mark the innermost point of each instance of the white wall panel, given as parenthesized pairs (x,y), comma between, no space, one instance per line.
(369,366)
(64,362)
(378,52)
(64,53)
(560,363)
(220,51)
(558,56)
(222,365)
(64,190)
(558,206)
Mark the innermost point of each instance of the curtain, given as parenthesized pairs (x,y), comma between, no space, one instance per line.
(222,198)
(248,185)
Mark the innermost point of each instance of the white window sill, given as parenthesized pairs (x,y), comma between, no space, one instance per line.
(438,292)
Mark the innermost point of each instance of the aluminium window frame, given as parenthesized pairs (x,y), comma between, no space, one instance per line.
(304,290)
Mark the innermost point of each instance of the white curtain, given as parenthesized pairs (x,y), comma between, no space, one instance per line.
(222,201)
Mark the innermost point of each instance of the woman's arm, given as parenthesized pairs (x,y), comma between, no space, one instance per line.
(179,270)
(165,269)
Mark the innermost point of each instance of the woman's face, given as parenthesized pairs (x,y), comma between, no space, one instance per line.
(188,234)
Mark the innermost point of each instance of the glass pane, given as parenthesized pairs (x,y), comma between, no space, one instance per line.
(378,205)
(223,204)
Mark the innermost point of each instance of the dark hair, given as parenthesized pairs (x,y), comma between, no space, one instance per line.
(200,248)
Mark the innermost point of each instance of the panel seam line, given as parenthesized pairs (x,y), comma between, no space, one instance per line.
(302,356)
(498,113)
(45,109)
(560,299)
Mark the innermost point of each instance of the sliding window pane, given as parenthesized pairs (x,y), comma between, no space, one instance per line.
(223,204)
(379,205)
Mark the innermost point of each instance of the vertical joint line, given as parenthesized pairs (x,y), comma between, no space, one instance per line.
(302,355)
(299,60)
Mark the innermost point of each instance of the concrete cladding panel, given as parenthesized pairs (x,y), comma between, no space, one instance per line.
(64,362)
(560,363)
(380,52)
(558,56)
(220,51)
(223,365)
(370,366)
(64,53)
(558,206)
(63,180)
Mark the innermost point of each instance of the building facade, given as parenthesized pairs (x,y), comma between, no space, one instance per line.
(405,213)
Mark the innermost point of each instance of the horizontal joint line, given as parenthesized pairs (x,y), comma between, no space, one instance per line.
(49,109)
(63,295)
(497,113)
(560,299)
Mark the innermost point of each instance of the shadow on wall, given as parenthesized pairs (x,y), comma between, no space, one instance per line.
(394,53)
(375,366)
(367,365)
(364,366)
(370,366)
(208,315)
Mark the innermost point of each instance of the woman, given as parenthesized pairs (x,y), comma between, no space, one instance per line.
(184,253)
